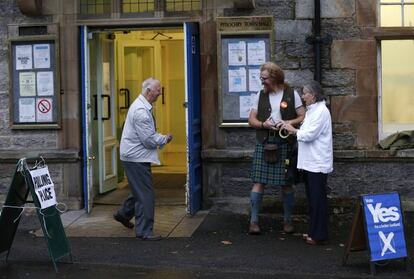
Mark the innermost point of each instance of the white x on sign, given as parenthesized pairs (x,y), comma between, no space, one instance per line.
(387,242)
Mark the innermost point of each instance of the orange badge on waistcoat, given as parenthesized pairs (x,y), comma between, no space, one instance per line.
(283,105)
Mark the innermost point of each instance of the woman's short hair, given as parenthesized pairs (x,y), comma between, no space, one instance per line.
(275,72)
(315,89)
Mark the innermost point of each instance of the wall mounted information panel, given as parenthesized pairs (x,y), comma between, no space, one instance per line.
(34,83)
(245,43)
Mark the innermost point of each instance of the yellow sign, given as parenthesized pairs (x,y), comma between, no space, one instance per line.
(250,23)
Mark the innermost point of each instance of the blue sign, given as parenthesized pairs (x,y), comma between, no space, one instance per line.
(385,227)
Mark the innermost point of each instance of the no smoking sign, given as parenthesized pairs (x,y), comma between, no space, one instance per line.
(44,106)
(44,110)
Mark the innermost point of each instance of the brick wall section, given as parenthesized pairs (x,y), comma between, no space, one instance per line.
(10,14)
(361,108)
(349,77)
(22,142)
(348,64)
(366,12)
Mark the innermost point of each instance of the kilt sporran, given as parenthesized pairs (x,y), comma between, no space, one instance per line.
(271,153)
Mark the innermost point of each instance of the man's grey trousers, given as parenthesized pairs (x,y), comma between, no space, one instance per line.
(141,202)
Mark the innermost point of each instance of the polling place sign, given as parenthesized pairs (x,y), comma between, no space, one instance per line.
(384,226)
(43,187)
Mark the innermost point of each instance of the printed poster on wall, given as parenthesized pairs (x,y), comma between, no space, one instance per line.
(41,55)
(44,187)
(257,53)
(237,80)
(246,103)
(44,109)
(255,84)
(44,83)
(27,111)
(24,57)
(237,53)
(27,84)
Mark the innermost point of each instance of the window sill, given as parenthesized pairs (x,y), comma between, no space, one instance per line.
(50,156)
(394,33)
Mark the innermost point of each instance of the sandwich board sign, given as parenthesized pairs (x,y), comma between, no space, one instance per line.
(43,187)
(38,183)
(382,226)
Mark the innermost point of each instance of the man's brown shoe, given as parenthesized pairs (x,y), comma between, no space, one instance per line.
(254,228)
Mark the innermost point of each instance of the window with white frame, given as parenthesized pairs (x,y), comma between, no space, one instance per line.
(397,71)
(395,13)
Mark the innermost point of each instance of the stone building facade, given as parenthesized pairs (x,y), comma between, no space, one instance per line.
(349,63)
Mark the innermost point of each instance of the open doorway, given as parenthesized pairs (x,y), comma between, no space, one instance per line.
(114,62)
(119,61)
(160,54)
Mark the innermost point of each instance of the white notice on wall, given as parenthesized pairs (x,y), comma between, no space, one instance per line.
(45,83)
(27,84)
(237,53)
(246,103)
(254,80)
(27,110)
(24,57)
(41,55)
(257,53)
(44,109)
(237,80)
(44,187)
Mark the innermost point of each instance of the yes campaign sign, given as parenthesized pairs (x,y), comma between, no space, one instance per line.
(385,227)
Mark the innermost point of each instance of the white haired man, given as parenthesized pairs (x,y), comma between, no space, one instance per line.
(139,144)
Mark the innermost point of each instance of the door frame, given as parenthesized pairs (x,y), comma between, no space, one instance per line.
(194,186)
(106,139)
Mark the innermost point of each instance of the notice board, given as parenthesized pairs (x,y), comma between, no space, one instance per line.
(34,83)
(245,43)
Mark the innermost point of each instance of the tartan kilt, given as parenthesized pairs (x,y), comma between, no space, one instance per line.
(262,172)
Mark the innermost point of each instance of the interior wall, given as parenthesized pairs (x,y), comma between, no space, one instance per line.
(174,90)
(138,52)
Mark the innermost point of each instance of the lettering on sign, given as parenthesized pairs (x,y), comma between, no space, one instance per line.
(385,227)
(44,187)
(383,214)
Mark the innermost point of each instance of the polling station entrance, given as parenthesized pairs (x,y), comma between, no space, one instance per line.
(114,63)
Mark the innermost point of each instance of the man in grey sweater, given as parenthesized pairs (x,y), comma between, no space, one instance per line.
(139,144)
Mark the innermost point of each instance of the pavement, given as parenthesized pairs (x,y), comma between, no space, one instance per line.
(219,248)
(170,221)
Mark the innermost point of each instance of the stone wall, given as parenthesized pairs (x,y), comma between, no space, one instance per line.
(348,64)
(61,146)
(349,78)
(355,173)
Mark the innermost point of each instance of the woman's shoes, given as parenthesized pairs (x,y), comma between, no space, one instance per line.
(254,228)
(309,240)
(288,228)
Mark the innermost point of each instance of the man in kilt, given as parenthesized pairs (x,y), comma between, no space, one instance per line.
(277,104)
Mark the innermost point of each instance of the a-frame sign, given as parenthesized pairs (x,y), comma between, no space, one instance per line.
(49,217)
(378,227)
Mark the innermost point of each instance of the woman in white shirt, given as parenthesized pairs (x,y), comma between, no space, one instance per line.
(315,158)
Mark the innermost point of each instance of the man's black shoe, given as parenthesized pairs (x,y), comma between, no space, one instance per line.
(123,221)
(150,238)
